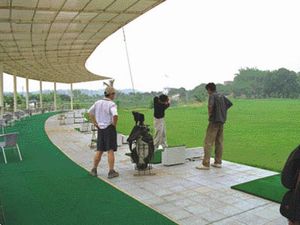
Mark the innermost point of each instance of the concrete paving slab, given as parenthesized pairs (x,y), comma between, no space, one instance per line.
(182,193)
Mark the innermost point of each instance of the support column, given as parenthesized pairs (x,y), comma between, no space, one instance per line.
(41,94)
(71,96)
(27,93)
(1,92)
(54,96)
(15,93)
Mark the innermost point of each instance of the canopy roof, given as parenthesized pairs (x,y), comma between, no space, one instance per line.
(50,40)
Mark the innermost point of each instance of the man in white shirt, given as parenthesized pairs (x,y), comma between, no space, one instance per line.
(104,116)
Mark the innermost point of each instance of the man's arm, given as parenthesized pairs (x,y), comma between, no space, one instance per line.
(114,113)
(115,121)
(168,102)
(228,103)
(210,110)
(155,101)
(210,105)
(93,119)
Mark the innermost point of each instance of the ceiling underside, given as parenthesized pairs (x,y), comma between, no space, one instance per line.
(50,40)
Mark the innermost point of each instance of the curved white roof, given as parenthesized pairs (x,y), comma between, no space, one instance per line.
(50,40)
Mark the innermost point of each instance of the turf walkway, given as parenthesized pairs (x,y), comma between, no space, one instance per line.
(268,188)
(49,189)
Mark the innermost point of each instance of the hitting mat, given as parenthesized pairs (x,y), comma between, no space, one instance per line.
(269,188)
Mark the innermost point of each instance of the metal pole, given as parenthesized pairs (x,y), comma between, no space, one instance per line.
(15,93)
(1,92)
(54,95)
(71,96)
(27,93)
(128,61)
(41,94)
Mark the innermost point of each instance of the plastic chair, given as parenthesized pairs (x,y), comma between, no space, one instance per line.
(9,119)
(10,141)
(2,125)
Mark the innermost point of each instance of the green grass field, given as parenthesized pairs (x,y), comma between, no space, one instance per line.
(259,133)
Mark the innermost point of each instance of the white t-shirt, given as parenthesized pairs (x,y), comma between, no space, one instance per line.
(104,110)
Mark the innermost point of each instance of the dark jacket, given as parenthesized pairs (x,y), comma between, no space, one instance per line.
(159,108)
(290,178)
(220,106)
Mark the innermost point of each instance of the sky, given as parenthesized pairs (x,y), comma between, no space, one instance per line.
(186,43)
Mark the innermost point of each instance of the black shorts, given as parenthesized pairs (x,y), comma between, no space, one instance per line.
(107,139)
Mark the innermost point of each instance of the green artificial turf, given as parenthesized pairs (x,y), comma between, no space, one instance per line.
(258,132)
(47,188)
(268,188)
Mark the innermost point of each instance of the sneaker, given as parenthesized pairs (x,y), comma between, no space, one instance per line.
(94,172)
(112,174)
(202,167)
(217,165)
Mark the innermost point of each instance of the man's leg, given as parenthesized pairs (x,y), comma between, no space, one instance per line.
(164,134)
(111,163)
(111,159)
(158,133)
(210,138)
(111,143)
(219,145)
(97,159)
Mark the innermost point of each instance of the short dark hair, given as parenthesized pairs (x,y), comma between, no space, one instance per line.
(163,98)
(211,87)
(106,94)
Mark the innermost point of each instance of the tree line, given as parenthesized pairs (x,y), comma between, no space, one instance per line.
(255,83)
(247,83)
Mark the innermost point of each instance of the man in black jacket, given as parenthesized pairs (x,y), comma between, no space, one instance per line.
(218,105)
(290,178)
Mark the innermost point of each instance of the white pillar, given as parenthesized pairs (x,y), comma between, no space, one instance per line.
(54,95)
(71,96)
(27,93)
(41,94)
(1,92)
(15,93)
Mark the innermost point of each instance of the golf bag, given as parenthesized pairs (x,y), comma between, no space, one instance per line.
(140,142)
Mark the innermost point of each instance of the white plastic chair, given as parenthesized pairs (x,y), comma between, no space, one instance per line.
(85,127)
(10,141)
(69,118)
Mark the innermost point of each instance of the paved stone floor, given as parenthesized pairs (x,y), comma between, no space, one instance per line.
(182,193)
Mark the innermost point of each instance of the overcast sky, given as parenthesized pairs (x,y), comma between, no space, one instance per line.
(182,43)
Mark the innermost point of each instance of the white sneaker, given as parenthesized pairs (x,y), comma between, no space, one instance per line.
(217,165)
(202,167)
